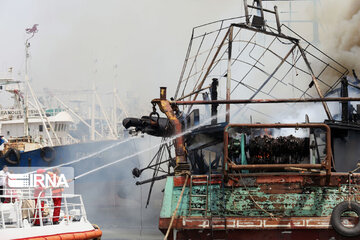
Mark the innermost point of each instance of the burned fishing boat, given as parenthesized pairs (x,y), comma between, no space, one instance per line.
(243,178)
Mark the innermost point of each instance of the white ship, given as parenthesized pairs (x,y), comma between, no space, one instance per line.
(18,215)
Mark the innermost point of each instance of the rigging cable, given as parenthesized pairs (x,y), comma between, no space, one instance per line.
(89,156)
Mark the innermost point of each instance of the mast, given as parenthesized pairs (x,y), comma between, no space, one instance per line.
(31,31)
(92,129)
(114,112)
(105,116)
(114,102)
(228,80)
(26,100)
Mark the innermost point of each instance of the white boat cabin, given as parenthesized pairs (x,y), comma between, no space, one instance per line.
(12,128)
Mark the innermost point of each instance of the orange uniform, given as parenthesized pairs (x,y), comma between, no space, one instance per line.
(56,193)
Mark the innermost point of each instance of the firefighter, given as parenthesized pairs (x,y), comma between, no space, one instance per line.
(39,191)
(56,195)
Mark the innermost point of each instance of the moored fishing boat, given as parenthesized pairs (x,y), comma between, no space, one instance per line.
(239,179)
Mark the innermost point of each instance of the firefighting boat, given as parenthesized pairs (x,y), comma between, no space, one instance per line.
(19,211)
(242,178)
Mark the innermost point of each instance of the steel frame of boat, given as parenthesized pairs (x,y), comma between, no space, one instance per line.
(267,205)
(295,201)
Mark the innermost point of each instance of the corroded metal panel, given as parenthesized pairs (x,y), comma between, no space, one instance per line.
(280,197)
(168,195)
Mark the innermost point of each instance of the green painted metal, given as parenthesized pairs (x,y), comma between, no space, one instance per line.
(243,156)
(315,201)
(166,209)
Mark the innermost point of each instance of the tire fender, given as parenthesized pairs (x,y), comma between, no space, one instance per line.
(12,156)
(336,219)
(48,154)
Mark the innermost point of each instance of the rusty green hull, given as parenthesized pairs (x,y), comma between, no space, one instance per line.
(264,205)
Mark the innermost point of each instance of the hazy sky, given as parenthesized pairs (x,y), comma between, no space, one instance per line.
(79,41)
(82,40)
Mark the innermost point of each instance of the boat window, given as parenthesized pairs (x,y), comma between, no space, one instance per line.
(62,127)
(8,133)
(41,128)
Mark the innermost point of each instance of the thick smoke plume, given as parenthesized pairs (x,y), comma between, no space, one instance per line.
(341,32)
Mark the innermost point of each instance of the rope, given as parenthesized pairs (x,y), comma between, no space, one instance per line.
(177,206)
(252,198)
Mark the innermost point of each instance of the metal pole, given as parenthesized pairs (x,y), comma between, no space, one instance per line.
(66,209)
(326,108)
(51,127)
(228,80)
(277,19)
(315,24)
(262,12)
(282,100)
(122,106)
(77,115)
(39,110)
(344,105)
(246,12)
(273,73)
(39,201)
(92,128)
(105,116)
(214,93)
(26,110)
(211,64)
(115,114)
(83,211)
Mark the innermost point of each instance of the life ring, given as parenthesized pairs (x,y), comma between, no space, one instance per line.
(336,219)
(12,156)
(48,154)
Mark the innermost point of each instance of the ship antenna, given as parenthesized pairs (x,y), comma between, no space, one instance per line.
(32,32)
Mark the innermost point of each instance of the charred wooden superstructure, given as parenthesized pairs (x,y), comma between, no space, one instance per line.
(227,180)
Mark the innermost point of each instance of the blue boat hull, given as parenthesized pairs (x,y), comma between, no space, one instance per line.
(103,191)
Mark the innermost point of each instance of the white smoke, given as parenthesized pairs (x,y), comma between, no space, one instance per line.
(340,38)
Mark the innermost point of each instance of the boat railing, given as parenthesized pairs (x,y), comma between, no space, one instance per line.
(22,209)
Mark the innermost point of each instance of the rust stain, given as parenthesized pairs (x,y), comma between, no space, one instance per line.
(279,179)
(281,188)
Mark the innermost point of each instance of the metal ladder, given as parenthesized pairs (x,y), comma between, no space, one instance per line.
(204,196)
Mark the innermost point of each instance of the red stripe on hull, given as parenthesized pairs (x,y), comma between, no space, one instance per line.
(93,234)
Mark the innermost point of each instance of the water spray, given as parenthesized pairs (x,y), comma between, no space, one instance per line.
(148,149)
(90,155)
